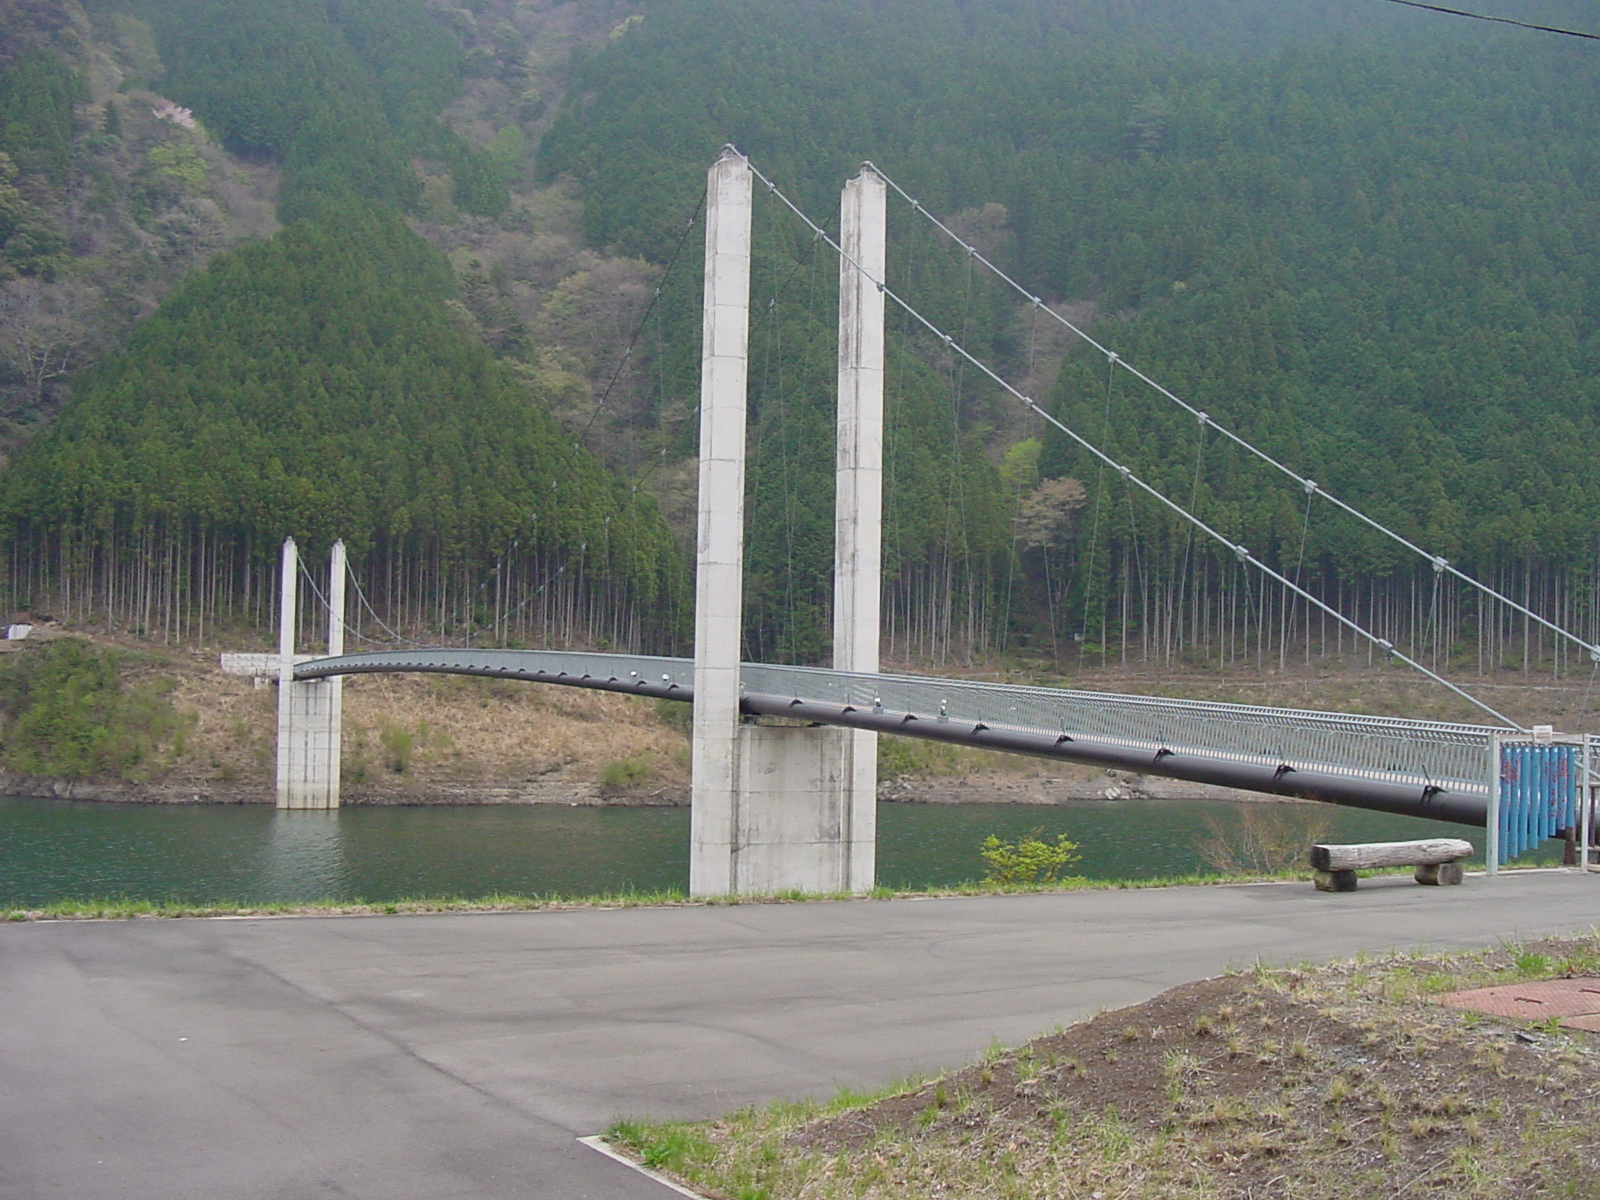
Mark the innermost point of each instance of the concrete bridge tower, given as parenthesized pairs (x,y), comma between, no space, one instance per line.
(779,808)
(309,711)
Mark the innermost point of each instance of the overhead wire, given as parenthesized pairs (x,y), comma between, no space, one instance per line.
(1461,12)
(1438,562)
(1239,551)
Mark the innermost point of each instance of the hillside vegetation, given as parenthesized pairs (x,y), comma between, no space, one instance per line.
(328,383)
(1356,234)
(1352,233)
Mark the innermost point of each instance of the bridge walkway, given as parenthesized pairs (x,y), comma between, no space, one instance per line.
(1420,768)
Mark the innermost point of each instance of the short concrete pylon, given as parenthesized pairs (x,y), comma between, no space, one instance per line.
(309,712)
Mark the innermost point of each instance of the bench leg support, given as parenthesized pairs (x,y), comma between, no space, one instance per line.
(1439,873)
(1336,881)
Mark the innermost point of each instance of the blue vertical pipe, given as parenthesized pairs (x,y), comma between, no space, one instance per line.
(1535,810)
(1506,803)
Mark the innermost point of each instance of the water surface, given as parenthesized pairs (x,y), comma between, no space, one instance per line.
(54,850)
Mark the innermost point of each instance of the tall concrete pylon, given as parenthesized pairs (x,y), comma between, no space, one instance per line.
(779,808)
(858,498)
(714,833)
(310,712)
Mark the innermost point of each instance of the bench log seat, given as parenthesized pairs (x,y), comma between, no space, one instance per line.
(1437,861)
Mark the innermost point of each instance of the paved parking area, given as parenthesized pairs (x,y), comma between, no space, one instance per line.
(433,1057)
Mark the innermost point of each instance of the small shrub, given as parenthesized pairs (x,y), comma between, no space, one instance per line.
(624,772)
(1029,859)
(1267,839)
(398,745)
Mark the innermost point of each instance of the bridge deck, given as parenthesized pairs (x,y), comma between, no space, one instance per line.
(1421,768)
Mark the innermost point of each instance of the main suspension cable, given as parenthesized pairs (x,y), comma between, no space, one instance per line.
(1312,488)
(1239,551)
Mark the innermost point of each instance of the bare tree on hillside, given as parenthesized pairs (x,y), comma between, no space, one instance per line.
(46,332)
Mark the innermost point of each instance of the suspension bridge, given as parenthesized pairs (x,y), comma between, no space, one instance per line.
(790,804)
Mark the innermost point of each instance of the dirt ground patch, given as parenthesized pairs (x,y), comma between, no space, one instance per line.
(1348,1080)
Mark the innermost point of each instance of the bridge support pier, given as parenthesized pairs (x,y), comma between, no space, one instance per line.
(782,808)
(796,826)
(310,712)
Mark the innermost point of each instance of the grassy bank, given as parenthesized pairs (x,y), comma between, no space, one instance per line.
(119,909)
(122,909)
(1343,1081)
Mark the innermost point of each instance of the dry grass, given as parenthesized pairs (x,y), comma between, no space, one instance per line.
(1341,1082)
(436,738)
(407,735)
(468,730)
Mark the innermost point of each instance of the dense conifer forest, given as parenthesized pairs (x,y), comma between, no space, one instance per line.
(1360,236)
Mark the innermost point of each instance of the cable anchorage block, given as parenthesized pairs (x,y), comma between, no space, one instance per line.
(1242,554)
(1439,564)
(1310,486)
(1204,418)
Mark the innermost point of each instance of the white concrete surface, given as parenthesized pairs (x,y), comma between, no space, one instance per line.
(792,822)
(719,578)
(858,506)
(310,711)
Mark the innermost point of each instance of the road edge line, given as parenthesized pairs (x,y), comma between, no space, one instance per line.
(599,1143)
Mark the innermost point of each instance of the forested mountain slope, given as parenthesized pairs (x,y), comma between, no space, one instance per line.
(1361,235)
(328,383)
(108,195)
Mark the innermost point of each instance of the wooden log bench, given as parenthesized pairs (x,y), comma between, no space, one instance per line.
(1437,860)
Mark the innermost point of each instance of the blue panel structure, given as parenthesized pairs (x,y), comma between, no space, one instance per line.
(1538,796)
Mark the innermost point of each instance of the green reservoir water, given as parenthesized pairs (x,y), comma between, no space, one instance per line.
(53,850)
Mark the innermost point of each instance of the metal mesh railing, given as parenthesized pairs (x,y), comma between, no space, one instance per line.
(1420,752)
(1390,749)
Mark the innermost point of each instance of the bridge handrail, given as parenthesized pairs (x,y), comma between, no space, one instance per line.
(1426,753)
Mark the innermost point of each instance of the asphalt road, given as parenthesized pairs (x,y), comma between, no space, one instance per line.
(433,1057)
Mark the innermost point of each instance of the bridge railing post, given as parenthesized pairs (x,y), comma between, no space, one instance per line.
(1491,832)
